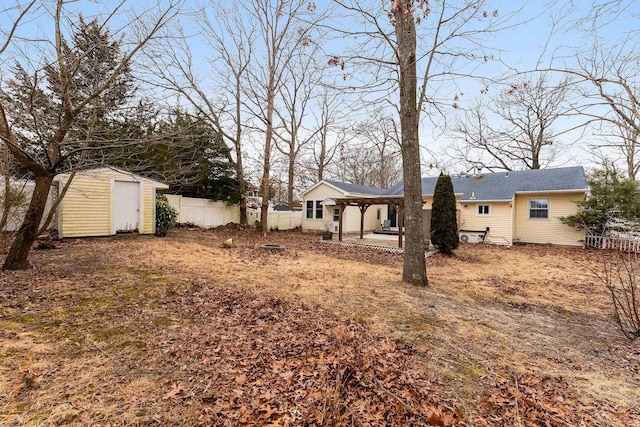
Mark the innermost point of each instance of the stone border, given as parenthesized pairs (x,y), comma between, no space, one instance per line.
(370,246)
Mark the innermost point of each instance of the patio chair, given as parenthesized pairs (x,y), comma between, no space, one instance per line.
(386,225)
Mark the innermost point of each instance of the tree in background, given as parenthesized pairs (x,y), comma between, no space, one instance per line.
(180,149)
(515,130)
(444,222)
(373,157)
(284,28)
(614,203)
(230,51)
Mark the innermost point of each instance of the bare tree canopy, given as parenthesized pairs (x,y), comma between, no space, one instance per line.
(518,128)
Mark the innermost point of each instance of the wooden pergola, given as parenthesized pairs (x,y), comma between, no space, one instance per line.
(363,204)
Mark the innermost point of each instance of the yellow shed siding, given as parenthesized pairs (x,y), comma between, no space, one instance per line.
(549,230)
(86,209)
(148,214)
(498,220)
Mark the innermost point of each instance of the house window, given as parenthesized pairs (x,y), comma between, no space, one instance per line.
(378,214)
(483,210)
(309,209)
(318,209)
(539,208)
(336,214)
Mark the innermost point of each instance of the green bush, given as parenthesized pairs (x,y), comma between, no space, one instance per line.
(613,200)
(166,216)
(444,222)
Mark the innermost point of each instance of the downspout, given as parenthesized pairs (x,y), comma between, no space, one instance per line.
(511,209)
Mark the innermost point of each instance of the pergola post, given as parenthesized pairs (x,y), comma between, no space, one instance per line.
(363,208)
(400,225)
(363,204)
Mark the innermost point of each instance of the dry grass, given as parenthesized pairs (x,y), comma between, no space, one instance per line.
(77,331)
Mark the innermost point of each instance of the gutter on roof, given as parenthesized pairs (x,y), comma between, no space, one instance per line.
(431,195)
(485,200)
(576,190)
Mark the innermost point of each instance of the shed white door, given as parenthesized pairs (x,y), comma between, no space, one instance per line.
(126,205)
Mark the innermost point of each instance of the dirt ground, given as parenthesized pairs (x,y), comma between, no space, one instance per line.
(139,330)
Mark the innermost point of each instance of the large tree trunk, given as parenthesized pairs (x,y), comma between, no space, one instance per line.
(292,165)
(242,186)
(414,270)
(267,159)
(17,259)
(6,171)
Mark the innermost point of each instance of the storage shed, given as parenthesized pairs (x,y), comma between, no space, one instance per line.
(104,201)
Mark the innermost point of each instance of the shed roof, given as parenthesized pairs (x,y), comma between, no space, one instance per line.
(89,172)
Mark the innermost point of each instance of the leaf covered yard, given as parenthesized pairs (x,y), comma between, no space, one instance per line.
(141,330)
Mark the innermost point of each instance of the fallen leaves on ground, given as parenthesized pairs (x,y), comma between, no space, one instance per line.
(94,335)
(263,360)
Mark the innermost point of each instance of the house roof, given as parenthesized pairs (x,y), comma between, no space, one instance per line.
(347,188)
(494,186)
(504,185)
(356,189)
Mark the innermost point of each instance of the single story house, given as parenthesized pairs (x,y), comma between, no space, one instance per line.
(104,201)
(500,207)
(320,212)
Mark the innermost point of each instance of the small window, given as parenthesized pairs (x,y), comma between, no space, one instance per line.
(309,209)
(483,210)
(539,208)
(336,214)
(318,209)
(378,214)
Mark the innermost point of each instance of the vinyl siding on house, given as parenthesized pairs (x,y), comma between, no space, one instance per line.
(351,214)
(547,230)
(498,221)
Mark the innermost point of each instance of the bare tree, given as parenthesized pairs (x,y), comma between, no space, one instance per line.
(220,99)
(11,196)
(331,132)
(380,136)
(284,28)
(517,130)
(414,271)
(611,97)
(301,82)
(41,134)
(426,44)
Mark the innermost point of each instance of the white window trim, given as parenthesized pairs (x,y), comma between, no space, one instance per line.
(529,208)
(313,209)
(317,203)
(484,204)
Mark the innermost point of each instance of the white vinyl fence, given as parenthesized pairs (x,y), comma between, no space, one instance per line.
(208,214)
(287,220)
(594,241)
(203,212)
